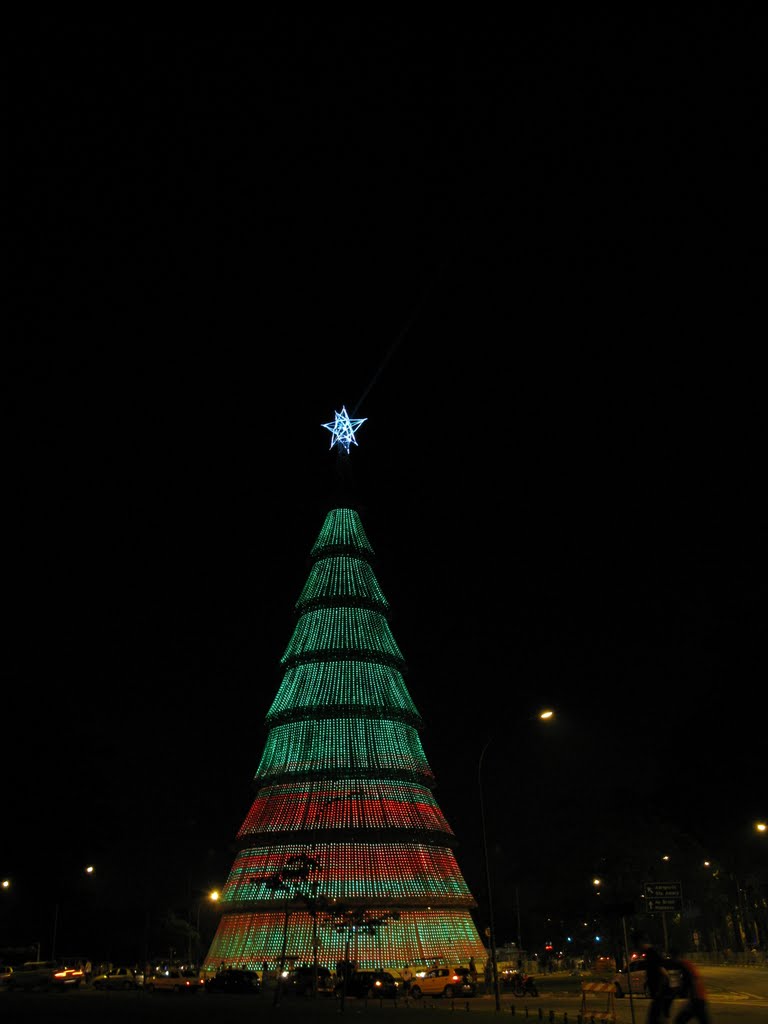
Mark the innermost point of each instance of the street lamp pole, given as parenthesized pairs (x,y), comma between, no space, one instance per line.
(491,928)
(55,930)
(213,896)
(519,934)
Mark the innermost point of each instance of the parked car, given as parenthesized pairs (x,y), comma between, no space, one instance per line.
(443,981)
(118,978)
(44,974)
(301,981)
(175,980)
(637,979)
(369,985)
(234,980)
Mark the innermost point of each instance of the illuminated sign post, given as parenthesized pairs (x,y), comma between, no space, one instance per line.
(663,897)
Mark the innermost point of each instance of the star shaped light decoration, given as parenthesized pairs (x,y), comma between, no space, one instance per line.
(343,429)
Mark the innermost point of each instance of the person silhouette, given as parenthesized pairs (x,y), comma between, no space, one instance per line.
(657,983)
(692,989)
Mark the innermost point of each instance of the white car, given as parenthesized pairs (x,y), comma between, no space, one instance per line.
(443,981)
(45,974)
(175,979)
(637,979)
(118,978)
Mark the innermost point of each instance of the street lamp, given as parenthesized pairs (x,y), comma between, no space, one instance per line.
(491,929)
(211,896)
(543,715)
(88,870)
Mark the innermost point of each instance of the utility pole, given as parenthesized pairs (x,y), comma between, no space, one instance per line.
(517,901)
(491,929)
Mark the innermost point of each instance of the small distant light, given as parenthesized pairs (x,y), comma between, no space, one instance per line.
(665,857)
(6,883)
(89,869)
(761,826)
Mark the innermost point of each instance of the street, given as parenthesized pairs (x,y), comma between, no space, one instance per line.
(738,995)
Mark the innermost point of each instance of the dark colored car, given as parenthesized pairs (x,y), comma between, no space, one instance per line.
(370,985)
(301,981)
(234,980)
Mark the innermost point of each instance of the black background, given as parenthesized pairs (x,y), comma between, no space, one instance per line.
(531,252)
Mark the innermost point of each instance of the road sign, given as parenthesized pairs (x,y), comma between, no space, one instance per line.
(663,897)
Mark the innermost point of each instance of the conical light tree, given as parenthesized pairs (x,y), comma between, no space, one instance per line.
(344,853)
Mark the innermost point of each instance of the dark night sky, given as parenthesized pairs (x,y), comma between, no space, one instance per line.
(532,255)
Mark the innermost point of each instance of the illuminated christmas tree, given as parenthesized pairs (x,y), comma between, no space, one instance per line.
(344,850)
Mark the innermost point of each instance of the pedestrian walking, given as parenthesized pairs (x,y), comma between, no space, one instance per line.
(488,976)
(693,990)
(407,975)
(88,971)
(658,985)
(472,970)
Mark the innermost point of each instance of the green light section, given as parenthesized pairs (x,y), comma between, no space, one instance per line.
(343,528)
(342,632)
(343,745)
(342,576)
(349,684)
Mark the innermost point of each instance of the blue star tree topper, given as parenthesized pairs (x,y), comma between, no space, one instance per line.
(343,429)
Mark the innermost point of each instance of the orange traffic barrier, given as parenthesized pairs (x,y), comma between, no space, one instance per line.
(606,987)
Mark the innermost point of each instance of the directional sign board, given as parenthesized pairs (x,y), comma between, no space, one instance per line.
(663,897)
